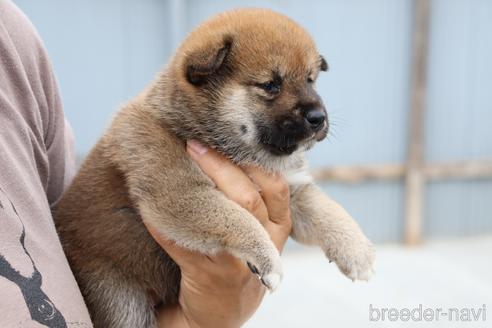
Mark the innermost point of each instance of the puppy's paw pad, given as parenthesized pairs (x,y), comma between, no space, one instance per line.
(271,281)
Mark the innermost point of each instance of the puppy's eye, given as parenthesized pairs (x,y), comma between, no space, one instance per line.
(270,87)
(310,80)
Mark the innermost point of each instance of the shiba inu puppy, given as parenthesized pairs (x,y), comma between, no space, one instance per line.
(242,83)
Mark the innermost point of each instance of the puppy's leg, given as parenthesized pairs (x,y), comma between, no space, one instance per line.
(115,302)
(319,220)
(203,219)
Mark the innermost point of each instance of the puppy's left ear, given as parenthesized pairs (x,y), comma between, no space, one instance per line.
(323,65)
(203,64)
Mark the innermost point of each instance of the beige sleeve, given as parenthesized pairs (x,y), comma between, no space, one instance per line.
(37,287)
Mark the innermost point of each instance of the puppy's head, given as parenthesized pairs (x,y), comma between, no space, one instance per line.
(245,84)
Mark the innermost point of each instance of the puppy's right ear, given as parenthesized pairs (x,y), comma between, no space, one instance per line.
(323,65)
(206,63)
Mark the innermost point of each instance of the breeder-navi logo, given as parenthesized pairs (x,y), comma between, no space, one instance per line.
(428,314)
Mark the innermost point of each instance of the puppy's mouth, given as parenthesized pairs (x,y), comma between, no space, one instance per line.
(280,150)
(320,135)
(283,140)
(284,144)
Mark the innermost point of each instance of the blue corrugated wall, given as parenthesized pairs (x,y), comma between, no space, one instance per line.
(459,118)
(104,52)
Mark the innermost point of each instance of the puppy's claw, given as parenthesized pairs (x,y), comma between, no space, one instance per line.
(253,268)
(271,281)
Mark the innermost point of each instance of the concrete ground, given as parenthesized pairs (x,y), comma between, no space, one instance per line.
(445,274)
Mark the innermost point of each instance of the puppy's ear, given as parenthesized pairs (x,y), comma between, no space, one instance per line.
(203,64)
(323,65)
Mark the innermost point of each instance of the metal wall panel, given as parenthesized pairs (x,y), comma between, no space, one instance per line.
(458,208)
(459,117)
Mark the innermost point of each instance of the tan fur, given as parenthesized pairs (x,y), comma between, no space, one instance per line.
(139,170)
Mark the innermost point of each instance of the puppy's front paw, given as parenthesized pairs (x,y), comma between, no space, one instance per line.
(268,268)
(354,256)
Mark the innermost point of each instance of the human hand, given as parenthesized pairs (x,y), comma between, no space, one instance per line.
(220,290)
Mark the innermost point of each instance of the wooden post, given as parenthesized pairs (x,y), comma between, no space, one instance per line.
(414,180)
(471,169)
(474,169)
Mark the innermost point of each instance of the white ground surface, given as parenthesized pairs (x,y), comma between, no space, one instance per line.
(440,274)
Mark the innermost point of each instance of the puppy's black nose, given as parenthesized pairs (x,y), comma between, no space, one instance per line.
(315,118)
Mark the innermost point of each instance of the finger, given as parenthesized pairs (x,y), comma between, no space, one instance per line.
(279,234)
(229,178)
(275,193)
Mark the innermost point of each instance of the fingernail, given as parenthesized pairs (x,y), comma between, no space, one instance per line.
(196,147)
